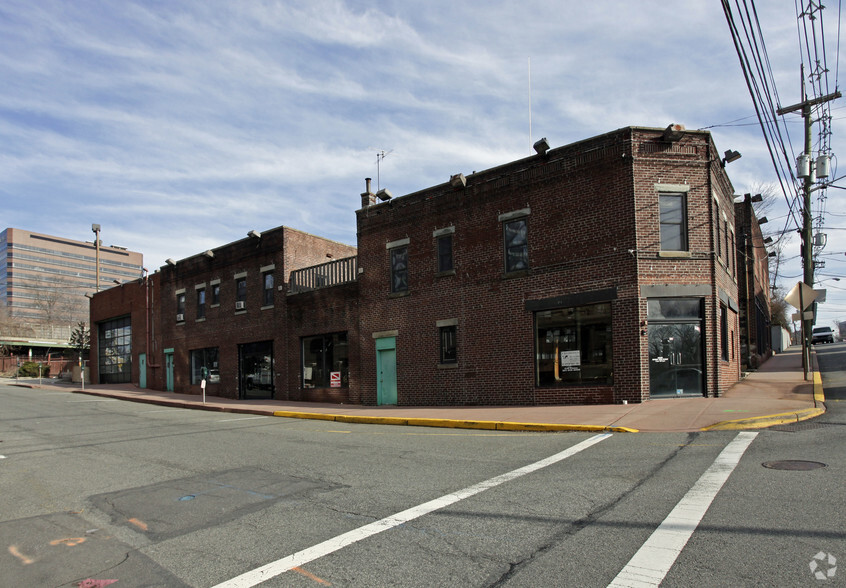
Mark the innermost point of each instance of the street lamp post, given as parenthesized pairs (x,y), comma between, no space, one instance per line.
(96,229)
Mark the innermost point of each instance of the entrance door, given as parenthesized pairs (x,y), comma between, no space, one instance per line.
(142,370)
(169,371)
(386,368)
(255,368)
(675,348)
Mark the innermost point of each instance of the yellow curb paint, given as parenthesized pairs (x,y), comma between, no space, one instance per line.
(317,416)
(784,418)
(452,423)
(371,420)
(819,394)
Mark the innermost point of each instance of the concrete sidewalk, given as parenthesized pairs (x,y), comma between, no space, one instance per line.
(775,394)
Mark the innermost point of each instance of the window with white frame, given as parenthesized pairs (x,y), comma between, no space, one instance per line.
(673,221)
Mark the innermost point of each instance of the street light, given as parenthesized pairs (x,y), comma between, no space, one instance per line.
(96,229)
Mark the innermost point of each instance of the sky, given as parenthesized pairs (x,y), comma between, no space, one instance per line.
(179,126)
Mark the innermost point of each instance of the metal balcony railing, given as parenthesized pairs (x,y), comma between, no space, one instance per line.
(332,273)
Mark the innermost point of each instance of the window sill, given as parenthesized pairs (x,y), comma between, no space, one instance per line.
(214,305)
(675,254)
(448,366)
(516,274)
(268,307)
(200,320)
(240,312)
(399,294)
(444,274)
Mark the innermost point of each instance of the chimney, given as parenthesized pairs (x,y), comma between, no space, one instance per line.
(368,198)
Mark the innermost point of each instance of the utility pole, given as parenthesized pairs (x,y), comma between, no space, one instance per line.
(807,228)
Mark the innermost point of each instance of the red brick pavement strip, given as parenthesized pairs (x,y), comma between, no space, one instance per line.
(775,394)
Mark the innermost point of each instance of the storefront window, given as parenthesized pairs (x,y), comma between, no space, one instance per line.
(574,345)
(205,358)
(326,361)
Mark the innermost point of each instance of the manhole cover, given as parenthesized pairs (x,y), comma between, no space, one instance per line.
(798,465)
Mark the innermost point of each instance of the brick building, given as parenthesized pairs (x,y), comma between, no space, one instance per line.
(597,272)
(753,287)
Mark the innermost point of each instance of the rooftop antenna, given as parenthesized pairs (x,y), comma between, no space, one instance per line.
(382,154)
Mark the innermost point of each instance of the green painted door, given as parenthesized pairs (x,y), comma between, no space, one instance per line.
(386,367)
(169,371)
(142,370)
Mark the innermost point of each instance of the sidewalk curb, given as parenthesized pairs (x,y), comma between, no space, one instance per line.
(452,423)
(784,418)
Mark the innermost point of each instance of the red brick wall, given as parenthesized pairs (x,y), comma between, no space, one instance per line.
(593,225)
(119,301)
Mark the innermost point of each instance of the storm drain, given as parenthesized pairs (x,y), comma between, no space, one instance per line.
(796,465)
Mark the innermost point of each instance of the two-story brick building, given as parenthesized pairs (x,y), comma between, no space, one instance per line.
(596,272)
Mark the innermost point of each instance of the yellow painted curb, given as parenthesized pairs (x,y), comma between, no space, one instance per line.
(784,418)
(451,423)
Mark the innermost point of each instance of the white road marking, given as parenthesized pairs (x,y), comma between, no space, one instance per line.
(653,560)
(242,419)
(273,569)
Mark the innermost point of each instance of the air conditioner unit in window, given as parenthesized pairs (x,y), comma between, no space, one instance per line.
(240,305)
(180,318)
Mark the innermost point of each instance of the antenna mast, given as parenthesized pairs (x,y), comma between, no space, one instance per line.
(382,154)
(530,103)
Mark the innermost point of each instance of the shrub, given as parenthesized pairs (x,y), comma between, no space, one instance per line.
(29,369)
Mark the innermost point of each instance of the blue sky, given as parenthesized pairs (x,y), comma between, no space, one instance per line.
(179,126)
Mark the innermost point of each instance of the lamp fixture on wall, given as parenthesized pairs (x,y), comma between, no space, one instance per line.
(457,181)
(384,194)
(254,234)
(730,156)
(209,253)
(541,146)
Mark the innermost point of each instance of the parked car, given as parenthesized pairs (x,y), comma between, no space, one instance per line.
(822,335)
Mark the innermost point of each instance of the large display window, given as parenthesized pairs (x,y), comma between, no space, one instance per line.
(573,345)
(326,361)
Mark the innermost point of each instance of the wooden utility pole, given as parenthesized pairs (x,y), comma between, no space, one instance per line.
(807,228)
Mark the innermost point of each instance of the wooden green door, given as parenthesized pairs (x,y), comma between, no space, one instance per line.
(386,368)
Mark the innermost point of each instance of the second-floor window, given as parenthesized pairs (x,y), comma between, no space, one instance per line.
(180,307)
(516,234)
(215,294)
(445,263)
(267,293)
(399,269)
(673,219)
(240,293)
(201,303)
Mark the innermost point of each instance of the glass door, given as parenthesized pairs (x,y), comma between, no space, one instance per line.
(675,348)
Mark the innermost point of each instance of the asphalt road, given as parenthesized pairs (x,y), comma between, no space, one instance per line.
(94,490)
